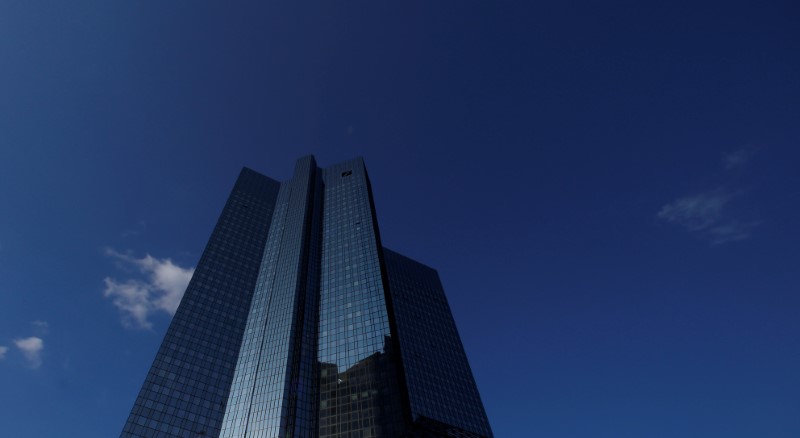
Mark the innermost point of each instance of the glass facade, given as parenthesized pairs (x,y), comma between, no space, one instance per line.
(264,396)
(330,334)
(438,378)
(187,387)
(359,386)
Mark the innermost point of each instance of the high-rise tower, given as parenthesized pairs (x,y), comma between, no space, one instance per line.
(298,323)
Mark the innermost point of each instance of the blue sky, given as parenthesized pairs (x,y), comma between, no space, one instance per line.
(609,191)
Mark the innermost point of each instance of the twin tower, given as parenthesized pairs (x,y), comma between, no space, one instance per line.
(299,323)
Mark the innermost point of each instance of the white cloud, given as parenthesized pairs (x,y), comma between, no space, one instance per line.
(704,214)
(161,290)
(31,348)
(133,299)
(3,351)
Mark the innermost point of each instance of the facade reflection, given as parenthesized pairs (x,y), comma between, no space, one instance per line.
(362,401)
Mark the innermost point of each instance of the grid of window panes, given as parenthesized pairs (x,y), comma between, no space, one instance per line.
(314,354)
(359,395)
(438,377)
(263,398)
(186,389)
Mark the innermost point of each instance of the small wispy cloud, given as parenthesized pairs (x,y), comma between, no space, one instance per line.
(135,231)
(31,349)
(3,351)
(705,214)
(160,291)
(737,158)
(708,213)
(730,232)
(40,327)
(697,212)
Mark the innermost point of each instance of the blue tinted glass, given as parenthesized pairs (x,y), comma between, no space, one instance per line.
(298,323)
(187,387)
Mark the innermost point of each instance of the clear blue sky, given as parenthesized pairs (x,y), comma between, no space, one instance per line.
(609,191)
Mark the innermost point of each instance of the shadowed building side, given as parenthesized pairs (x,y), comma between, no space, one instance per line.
(439,382)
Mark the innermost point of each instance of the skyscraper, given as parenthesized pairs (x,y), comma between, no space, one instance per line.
(299,323)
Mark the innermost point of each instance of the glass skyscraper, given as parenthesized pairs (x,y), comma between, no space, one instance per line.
(299,323)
